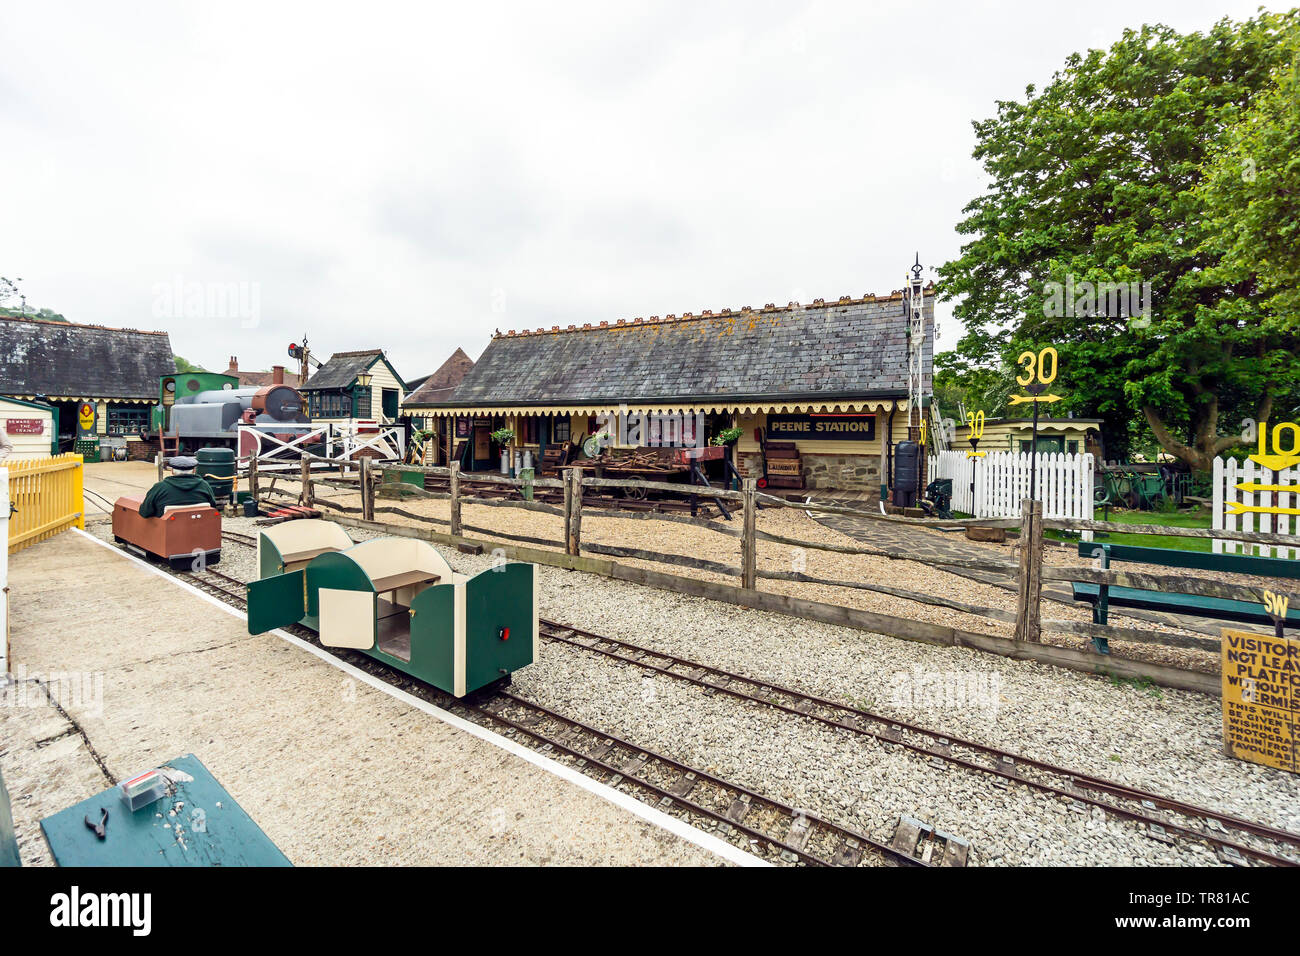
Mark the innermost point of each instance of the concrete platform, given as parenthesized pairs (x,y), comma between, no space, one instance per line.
(334,770)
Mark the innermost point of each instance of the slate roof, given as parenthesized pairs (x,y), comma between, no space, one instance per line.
(343,368)
(852,347)
(265,378)
(93,361)
(441,385)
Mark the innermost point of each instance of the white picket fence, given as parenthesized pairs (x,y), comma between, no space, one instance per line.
(1000,481)
(1227,475)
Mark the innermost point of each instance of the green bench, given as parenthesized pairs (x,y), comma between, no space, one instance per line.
(1199,560)
(1103,596)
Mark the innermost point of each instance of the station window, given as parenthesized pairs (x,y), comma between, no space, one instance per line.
(560,429)
(1046,446)
(127,419)
(329,404)
(528,430)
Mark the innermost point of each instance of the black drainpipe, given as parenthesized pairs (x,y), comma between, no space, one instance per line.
(889,442)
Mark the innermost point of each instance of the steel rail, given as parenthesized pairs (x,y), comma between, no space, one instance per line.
(1004,764)
(636,751)
(852,845)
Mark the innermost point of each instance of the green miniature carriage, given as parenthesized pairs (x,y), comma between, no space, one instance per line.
(397,600)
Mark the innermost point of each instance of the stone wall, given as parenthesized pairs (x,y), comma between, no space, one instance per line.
(845,472)
(841,472)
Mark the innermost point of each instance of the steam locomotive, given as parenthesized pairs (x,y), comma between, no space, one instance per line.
(205,409)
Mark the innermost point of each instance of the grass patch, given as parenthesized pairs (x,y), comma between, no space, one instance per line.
(1200,518)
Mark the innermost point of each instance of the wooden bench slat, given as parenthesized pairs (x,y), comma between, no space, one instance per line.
(390,582)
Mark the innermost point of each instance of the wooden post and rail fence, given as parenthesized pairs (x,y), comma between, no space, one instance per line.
(1027,573)
(46,495)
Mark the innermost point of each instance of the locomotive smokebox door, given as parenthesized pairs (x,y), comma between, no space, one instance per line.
(277,601)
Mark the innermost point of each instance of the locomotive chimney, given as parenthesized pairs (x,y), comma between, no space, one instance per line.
(277,374)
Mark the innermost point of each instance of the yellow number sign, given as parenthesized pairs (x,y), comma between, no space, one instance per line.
(1285,453)
(1286,446)
(976,423)
(1039,370)
(1036,367)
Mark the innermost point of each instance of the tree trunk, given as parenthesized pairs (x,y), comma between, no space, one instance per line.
(1207,443)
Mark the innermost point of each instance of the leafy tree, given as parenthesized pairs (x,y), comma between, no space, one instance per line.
(1095,180)
(185,365)
(1252,194)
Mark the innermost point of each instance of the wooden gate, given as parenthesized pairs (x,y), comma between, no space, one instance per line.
(46,498)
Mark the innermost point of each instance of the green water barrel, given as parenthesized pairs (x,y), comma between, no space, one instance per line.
(217,468)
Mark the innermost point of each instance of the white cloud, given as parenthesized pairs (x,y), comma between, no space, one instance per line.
(394,174)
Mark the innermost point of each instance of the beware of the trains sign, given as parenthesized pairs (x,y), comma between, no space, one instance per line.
(1261,698)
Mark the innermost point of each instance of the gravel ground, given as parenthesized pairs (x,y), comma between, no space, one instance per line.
(1161,740)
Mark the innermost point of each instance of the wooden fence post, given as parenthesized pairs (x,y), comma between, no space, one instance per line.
(455,497)
(748,550)
(158,460)
(1031,572)
(304,494)
(367,489)
(568,505)
(254,489)
(573,512)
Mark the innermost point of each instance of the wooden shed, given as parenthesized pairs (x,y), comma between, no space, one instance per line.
(31,427)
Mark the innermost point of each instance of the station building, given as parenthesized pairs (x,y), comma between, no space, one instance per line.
(30,427)
(355,386)
(1070,436)
(831,377)
(101,382)
(432,391)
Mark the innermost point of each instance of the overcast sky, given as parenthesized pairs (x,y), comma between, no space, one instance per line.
(413,176)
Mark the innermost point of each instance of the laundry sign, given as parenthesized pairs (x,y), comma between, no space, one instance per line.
(827,426)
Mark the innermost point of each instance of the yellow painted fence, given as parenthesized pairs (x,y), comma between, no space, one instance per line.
(47,496)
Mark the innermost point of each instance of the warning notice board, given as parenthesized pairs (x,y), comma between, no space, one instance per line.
(1261,698)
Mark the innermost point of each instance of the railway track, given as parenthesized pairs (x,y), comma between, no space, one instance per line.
(1164,818)
(760,824)
(705,506)
(1236,841)
(794,835)
(231,590)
